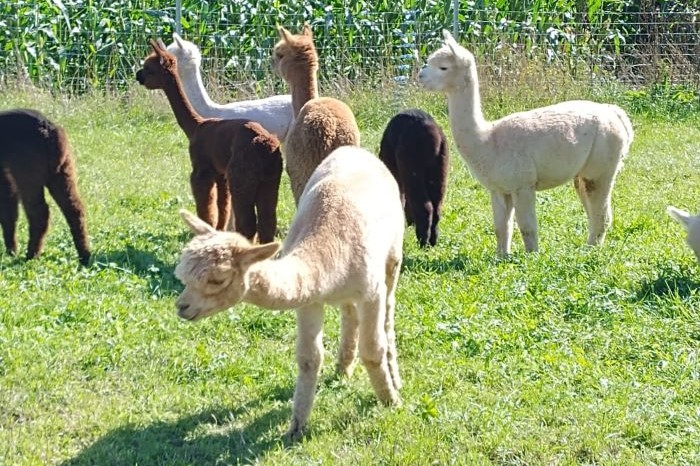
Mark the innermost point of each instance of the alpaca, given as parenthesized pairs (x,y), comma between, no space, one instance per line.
(343,248)
(235,159)
(692,226)
(414,149)
(321,123)
(533,150)
(34,155)
(273,113)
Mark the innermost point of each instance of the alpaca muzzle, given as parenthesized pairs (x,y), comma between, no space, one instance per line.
(139,76)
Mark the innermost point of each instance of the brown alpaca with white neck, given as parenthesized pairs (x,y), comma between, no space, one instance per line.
(322,124)
(231,159)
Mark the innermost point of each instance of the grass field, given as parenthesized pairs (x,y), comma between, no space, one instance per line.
(573,355)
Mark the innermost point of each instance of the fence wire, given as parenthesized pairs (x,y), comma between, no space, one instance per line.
(75,53)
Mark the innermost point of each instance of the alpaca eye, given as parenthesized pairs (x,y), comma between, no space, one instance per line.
(215,282)
(443,68)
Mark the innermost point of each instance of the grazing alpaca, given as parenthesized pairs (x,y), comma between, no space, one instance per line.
(34,155)
(529,151)
(322,124)
(343,248)
(236,156)
(273,113)
(415,150)
(692,227)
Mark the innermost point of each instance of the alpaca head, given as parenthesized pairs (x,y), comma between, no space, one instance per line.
(294,54)
(158,67)
(449,68)
(187,54)
(213,268)
(692,227)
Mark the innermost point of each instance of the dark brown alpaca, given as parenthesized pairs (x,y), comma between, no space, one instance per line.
(414,149)
(34,155)
(232,160)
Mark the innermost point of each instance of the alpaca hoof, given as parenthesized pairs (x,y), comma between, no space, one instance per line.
(345,371)
(84,259)
(294,433)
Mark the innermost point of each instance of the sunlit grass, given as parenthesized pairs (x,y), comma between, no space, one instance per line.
(573,355)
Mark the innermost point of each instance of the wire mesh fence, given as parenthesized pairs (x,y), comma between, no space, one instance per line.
(82,45)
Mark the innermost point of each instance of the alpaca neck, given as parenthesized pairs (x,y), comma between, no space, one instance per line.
(286,283)
(185,115)
(304,87)
(469,128)
(191,78)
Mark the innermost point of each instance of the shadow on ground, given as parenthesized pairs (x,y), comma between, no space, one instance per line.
(670,280)
(213,436)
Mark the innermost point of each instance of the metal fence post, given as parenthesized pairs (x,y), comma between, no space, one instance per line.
(178,15)
(455,19)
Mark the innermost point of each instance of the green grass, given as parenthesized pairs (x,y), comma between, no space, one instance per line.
(573,355)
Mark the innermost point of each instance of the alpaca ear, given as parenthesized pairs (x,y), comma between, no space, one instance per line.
(178,40)
(258,253)
(307,31)
(284,34)
(450,42)
(161,44)
(154,45)
(196,224)
(681,216)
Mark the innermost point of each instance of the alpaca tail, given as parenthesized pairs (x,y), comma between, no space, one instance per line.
(679,215)
(627,125)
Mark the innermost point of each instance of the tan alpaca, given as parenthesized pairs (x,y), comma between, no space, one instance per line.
(691,223)
(321,123)
(230,158)
(530,151)
(343,248)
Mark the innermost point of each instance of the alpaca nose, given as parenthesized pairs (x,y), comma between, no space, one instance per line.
(139,76)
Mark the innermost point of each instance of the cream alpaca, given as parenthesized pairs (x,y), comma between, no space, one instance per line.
(529,151)
(321,123)
(273,113)
(343,248)
(692,227)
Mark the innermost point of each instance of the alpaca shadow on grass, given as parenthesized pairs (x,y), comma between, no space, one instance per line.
(424,263)
(212,436)
(145,263)
(672,279)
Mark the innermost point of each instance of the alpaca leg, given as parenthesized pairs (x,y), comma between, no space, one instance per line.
(525,215)
(37,211)
(223,202)
(244,212)
(309,359)
(502,207)
(392,278)
(9,204)
(580,188)
(62,187)
(419,202)
(202,184)
(436,192)
(266,206)
(373,346)
(598,193)
(349,335)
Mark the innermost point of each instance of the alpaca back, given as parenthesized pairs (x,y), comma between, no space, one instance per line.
(323,125)
(28,138)
(274,113)
(339,224)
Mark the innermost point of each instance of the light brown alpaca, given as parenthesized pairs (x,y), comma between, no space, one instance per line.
(321,124)
(230,158)
(343,248)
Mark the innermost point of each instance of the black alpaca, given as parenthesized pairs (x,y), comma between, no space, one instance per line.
(414,149)
(34,155)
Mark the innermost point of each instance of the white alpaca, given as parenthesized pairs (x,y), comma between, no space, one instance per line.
(692,227)
(529,151)
(343,248)
(274,113)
